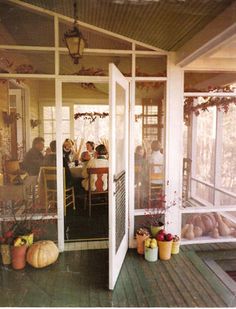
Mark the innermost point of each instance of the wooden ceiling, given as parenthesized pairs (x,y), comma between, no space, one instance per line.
(165,24)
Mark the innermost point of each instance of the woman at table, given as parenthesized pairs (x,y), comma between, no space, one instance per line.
(100,160)
(90,148)
(69,154)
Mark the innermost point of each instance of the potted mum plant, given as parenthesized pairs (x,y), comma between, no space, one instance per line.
(141,235)
(20,226)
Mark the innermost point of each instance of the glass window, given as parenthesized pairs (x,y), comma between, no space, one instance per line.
(49,123)
(205,145)
(228,151)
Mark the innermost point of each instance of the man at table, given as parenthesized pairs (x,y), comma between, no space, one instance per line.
(33,159)
(100,160)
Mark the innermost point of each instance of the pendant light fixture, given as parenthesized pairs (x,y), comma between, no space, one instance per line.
(74,39)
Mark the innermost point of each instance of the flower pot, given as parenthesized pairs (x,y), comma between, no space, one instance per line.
(140,243)
(175,247)
(155,229)
(165,249)
(6,254)
(18,255)
(151,254)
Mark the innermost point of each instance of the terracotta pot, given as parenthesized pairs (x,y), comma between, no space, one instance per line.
(165,249)
(18,256)
(140,243)
(6,254)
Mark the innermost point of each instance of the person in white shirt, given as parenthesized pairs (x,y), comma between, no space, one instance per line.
(100,160)
(156,157)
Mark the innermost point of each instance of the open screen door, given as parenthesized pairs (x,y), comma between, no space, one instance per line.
(118,168)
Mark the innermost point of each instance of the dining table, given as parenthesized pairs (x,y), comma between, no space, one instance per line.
(76,171)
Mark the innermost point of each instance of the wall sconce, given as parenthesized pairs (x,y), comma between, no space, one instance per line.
(34,123)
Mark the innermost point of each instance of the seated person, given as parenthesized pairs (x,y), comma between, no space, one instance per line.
(33,159)
(85,157)
(90,148)
(99,161)
(50,158)
(69,153)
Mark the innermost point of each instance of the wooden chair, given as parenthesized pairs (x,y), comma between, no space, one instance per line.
(49,175)
(156,178)
(99,196)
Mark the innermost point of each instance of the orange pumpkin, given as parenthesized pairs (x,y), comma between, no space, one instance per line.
(42,253)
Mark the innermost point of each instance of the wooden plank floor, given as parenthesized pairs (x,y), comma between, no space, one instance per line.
(80,279)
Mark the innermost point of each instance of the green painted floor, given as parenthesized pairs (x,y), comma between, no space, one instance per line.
(80,279)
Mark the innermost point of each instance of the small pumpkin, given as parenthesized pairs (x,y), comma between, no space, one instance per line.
(184,230)
(190,234)
(197,231)
(42,253)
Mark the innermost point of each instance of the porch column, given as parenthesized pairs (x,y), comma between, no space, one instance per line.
(174,144)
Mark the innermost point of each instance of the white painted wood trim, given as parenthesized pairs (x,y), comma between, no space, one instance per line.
(218,156)
(174,143)
(131,152)
(28,48)
(25,76)
(116,257)
(210,94)
(206,209)
(60,185)
(158,79)
(226,192)
(56,42)
(207,239)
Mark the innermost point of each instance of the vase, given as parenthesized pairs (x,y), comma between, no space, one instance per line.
(6,254)
(175,247)
(151,254)
(140,243)
(165,249)
(18,256)
(155,229)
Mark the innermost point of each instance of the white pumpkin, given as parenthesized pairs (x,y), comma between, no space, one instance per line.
(42,253)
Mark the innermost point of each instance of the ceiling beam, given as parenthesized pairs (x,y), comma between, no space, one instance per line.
(216,64)
(214,34)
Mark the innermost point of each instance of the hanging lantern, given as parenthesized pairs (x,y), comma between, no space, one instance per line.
(74,40)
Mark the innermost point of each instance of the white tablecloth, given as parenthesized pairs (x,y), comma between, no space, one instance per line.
(76,171)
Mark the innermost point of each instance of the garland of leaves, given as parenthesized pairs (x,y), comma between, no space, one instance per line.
(221,103)
(92,116)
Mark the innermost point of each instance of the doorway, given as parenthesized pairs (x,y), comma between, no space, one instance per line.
(85,118)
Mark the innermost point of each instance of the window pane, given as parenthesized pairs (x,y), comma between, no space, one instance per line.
(66,127)
(47,112)
(204,193)
(65,112)
(49,127)
(228,152)
(205,145)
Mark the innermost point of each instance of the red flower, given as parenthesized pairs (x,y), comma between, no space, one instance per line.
(8,234)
